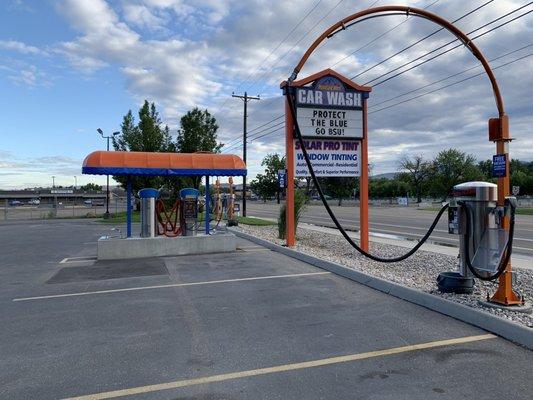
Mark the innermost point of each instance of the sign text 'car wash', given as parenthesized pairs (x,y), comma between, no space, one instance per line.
(332,115)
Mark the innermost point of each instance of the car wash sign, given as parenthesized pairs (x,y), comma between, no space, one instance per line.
(329,113)
(329,109)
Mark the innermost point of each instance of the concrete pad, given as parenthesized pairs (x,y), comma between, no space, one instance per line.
(119,249)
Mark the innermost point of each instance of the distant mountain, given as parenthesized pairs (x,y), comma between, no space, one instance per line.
(387,175)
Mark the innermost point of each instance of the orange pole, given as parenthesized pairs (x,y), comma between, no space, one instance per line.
(363,184)
(289,159)
(505,293)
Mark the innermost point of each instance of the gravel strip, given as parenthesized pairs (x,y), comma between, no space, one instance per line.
(420,271)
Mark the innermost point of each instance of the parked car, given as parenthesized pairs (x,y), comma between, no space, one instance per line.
(34,202)
(15,203)
(88,202)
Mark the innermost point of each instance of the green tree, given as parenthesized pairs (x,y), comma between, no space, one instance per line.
(339,188)
(262,187)
(450,168)
(147,135)
(416,172)
(91,187)
(387,188)
(198,133)
(522,176)
(486,169)
(266,185)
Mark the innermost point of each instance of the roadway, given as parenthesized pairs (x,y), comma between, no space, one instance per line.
(404,222)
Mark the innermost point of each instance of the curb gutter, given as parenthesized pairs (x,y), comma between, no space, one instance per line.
(500,326)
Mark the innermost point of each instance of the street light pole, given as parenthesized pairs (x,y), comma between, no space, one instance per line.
(101,132)
(75,182)
(53,182)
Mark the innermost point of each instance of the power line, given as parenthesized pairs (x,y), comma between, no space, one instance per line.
(280,43)
(271,52)
(408,47)
(268,133)
(381,36)
(305,35)
(449,85)
(451,76)
(295,44)
(260,126)
(450,42)
(375,39)
(491,30)
(440,88)
(238,141)
(420,40)
(264,103)
(283,75)
(251,138)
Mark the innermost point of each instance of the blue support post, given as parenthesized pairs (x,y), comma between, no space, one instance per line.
(207,205)
(128,208)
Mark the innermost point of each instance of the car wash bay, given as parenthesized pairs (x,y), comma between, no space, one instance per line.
(250,324)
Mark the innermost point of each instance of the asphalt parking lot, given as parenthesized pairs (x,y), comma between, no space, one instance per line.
(253,324)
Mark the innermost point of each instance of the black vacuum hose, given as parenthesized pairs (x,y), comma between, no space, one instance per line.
(330,212)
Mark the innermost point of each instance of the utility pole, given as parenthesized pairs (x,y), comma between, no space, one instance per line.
(53,182)
(245,99)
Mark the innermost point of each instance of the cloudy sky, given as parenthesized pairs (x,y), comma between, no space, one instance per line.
(68,67)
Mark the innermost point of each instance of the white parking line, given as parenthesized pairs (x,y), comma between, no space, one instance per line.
(77,259)
(57,296)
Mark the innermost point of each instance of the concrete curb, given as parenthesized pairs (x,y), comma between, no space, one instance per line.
(497,325)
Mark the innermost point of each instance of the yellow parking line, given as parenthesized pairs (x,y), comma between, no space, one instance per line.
(172,285)
(279,368)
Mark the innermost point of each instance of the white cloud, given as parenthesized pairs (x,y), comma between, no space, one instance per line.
(141,16)
(20,47)
(175,72)
(212,46)
(29,76)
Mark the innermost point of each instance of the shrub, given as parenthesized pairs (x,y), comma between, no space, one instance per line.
(299,207)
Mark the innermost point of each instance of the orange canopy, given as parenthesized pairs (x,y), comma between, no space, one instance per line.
(162,164)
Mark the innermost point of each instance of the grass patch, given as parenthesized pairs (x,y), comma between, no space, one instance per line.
(432,209)
(255,221)
(121,218)
(524,211)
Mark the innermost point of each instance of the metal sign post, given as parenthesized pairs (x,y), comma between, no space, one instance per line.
(331,112)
